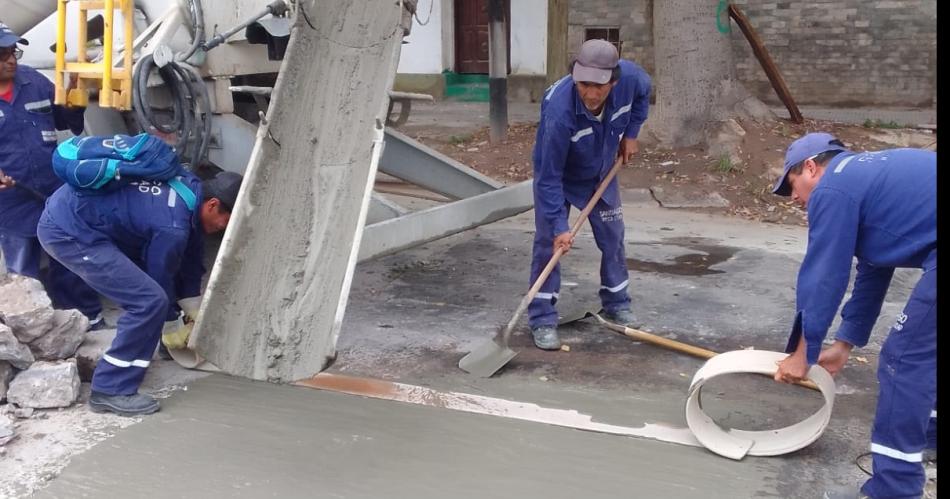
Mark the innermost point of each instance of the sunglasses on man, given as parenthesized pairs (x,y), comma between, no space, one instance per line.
(5,53)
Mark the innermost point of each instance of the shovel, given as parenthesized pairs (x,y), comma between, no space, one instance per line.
(495,353)
(676,346)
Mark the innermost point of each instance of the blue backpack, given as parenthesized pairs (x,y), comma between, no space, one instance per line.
(100,164)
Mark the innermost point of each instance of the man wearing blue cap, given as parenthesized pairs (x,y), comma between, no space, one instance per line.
(28,124)
(141,246)
(588,119)
(881,208)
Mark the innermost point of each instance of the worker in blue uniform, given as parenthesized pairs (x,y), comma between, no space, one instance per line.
(588,119)
(142,247)
(880,208)
(28,124)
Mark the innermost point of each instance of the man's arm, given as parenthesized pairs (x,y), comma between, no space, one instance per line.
(640,107)
(833,219)
(163,258)
(863,308)
(68,118)
(192,269)
(549,181)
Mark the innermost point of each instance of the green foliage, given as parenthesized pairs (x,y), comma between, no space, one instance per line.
(869,123)
(725,164)
(460,139)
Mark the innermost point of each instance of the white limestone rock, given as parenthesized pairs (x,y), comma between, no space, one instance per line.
(62,340)
(6,374)
(25,307)
(46,385)
(12,351)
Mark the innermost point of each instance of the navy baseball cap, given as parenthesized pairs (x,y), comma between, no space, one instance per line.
(808,146)
(224,186)
(8,38)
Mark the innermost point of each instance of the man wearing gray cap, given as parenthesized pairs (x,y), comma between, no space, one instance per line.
(588,119)
(142,246)
(881,208)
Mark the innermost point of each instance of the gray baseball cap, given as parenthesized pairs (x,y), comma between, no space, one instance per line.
(595,62)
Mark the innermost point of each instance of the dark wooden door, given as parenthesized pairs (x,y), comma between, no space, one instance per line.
(471,35)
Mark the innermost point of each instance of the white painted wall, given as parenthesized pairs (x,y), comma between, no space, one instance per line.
(431,47)
(423,52)
(529,26)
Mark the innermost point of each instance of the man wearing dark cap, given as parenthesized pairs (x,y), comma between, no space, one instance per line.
(142,247)
(881,208)
(588,119)
(28,124)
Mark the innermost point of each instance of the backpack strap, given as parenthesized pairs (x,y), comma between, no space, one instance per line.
(184,192)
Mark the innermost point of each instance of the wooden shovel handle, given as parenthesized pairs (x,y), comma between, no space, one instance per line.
(674,345)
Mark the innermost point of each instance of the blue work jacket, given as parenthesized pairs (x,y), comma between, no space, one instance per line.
(28,127)
(880,207)
(573,151)
(148,222)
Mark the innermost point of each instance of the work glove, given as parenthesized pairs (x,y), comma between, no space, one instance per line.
(190,307)
(175,334)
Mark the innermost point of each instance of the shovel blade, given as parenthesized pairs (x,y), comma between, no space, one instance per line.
(487,359)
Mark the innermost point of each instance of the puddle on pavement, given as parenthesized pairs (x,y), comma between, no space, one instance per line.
(690,264)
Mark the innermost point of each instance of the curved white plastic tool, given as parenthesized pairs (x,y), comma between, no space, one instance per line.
(735,444)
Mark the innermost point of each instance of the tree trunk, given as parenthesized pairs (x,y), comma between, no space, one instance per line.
(695,78)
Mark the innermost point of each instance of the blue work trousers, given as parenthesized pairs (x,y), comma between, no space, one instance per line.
(65,289)
(907,377)
(144,303)
(606,222)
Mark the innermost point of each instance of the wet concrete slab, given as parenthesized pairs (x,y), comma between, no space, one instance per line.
(228,437)
(718,283)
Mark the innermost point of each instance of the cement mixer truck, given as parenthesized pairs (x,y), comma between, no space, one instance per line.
(293,94)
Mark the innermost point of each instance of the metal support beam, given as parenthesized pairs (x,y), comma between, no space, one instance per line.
(381,208)
(423,226)
(415,163)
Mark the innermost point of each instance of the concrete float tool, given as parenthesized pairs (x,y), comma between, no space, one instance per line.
(495,353)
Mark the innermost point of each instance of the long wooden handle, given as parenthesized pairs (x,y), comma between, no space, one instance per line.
(506,334)
(677,346)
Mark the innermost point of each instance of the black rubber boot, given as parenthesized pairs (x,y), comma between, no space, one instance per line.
(138,404)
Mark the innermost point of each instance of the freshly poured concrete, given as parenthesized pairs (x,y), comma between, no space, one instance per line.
(227,437)
(716,282)
(277,293)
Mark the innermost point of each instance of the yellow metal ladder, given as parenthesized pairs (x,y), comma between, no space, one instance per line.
(114,84)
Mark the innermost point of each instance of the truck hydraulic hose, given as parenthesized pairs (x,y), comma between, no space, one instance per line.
(191,107)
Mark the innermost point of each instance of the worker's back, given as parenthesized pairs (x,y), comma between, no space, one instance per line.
(896,194)
(132,217)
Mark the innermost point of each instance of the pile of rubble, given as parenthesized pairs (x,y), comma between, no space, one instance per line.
(41,359)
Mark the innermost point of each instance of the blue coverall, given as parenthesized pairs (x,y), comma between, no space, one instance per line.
(880,207)
(141,247)
(573,151)
(28,127)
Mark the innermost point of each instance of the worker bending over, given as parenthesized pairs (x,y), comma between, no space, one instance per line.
(142,247)
(880,207)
